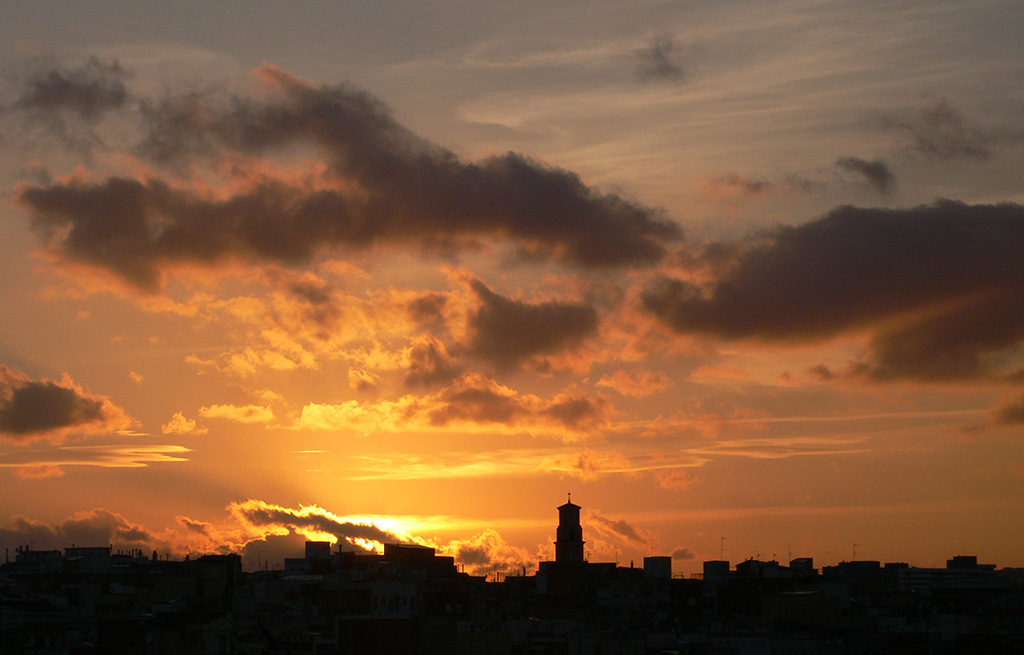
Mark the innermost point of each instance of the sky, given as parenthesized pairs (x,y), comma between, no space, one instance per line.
(743,277)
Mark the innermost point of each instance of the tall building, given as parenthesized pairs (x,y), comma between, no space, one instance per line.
(569,536)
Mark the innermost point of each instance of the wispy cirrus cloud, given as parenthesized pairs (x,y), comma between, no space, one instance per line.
(101,455)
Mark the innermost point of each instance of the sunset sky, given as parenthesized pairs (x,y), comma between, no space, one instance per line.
(746,278)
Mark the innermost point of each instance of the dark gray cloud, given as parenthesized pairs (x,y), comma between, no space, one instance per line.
(200,527)
(682,554)
(578,412)
(937,285)
(259,513)
(876,173)
(430,364)
(29,408)
(974,339)
(479,400)
(478,404)
(385,185)
(941,132)
(508,332)
(427,307)
(97,527)
(660,60)
(821,372)
(619,527)
(69,102)
(320,307)
(87,91)
(1009,412)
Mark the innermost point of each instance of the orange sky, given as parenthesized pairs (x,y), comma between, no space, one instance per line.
(369,275)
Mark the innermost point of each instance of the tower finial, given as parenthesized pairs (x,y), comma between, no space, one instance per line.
(570,496)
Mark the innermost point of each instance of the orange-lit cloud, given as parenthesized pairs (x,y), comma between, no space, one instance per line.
(104,456)
(179,424)
(473,402)
(39,471)
(674,479)
(313,522)
(239,413)
(488,552)
(781,447)
(588,464)
(636,382)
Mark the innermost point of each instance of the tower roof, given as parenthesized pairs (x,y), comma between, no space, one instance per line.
(569,503)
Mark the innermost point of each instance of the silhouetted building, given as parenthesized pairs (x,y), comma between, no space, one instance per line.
(569,536)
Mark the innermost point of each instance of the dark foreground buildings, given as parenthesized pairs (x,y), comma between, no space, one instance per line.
(410,600)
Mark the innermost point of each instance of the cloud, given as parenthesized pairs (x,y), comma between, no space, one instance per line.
(427,307)
(732,184)
(378,184)
(941,132)
(876,173)
(68,101)
(783,447)
(682,554)
(362,380)
(239,413)
(588,464)
(53,410)
(97,527)
(938,285)
(487,552)
(475,399)
(473,402)
(179,424)
(671,479)
(821,372)
(105,456)
(200,527)
(312,521)
(1010,411)
(430,364)
(507,332)
(636,383)
(619,527)
(88,90)
(39,471)
(660,60)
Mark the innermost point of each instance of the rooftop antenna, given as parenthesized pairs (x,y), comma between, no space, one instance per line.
(854,552)
(721,550)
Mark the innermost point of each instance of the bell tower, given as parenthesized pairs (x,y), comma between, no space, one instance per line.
(569,537)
